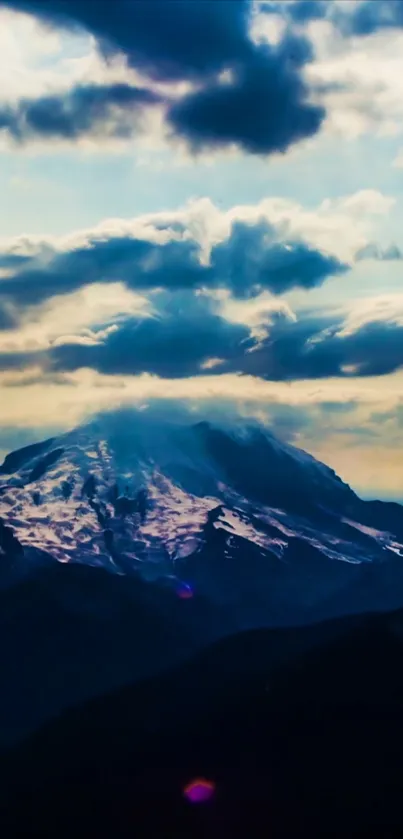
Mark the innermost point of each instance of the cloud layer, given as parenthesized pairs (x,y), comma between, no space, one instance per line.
(197,292)
(207,76)
(242,93)
(187,335)
(180,344)
(252,257)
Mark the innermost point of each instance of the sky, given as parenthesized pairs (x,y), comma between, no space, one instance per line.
(201,201)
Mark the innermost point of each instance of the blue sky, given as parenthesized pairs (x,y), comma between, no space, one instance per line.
(218,226)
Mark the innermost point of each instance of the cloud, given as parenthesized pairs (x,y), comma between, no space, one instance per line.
(299,11)
(358,79)
(355,17)
(184,335)
(222,86)
(115,110)
(188,335)
(8,319)
(369,16)
(321,348)
(386,308)
(176,342)
(373,251)
(174,40)
(247,258)
(262,108)
(81,314)
(276,266)
(33,57)
(39,267)
(245,94)
(211,286)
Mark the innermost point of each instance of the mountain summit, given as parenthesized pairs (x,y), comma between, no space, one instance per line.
(131,542)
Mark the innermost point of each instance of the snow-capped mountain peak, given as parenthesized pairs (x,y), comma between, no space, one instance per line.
(135,494)
(128,543)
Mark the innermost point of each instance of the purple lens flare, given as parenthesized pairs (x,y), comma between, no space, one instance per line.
(199,791)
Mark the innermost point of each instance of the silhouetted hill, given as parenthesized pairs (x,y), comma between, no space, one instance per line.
(309,748)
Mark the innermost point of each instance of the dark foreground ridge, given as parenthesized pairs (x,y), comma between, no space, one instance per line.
(312,748)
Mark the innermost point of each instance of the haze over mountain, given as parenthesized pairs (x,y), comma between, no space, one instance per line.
(202,202)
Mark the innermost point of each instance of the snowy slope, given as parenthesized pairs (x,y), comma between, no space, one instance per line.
(77,499)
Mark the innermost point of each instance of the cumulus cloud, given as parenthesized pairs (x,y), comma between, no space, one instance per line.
(172,40)
(322,347)
(80,315)
(359,78)
(244,93)
(263,107)
(114,110)
(250,256)
(178,341)
(223,82)
(383,308)
(188,335)
(195,293)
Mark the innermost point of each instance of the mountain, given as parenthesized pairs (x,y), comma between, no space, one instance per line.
(130,542)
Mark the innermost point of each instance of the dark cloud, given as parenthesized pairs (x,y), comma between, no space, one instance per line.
(188,331)
(251,251)
(290,351)
(303,11)
(317,348)
(140,264)
(248,261)
(184,333)
(372,15)
(166,39)
(174,344)
(8,317)
(299,11)
(19,360)
(116,108)
(12,260)
(264,108)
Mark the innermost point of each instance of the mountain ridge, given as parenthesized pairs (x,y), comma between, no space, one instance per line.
(298,732)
